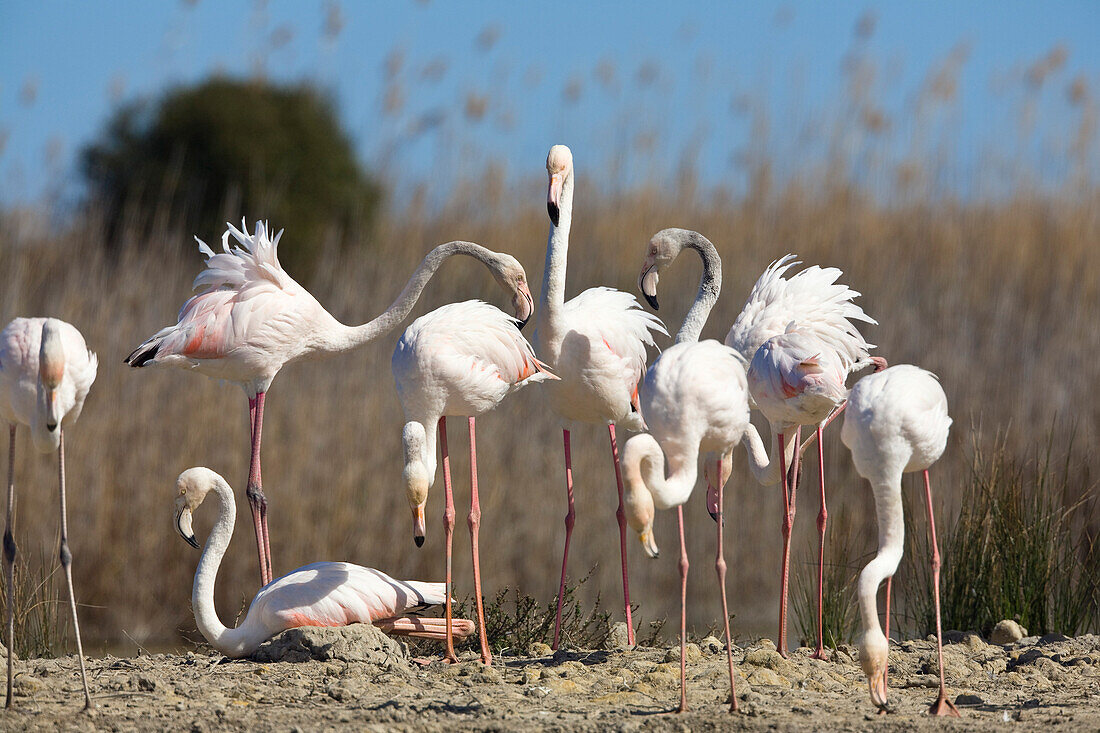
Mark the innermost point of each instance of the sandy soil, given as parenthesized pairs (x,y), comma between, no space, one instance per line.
(357,678)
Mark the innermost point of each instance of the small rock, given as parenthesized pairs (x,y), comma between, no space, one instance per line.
(974,642)
(768,658)
(1007,632)
(1053,638)
(711,645)
(965,699)
(24,686)
(538,649)
(618,637)
(692,651)
(765,644)
(951,636)
(146,683)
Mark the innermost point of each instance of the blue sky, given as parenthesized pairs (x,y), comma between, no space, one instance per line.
(638,83)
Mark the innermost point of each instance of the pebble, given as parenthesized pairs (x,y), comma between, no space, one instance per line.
(1007,632)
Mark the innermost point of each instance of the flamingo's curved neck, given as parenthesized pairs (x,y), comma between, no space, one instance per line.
(550,329)
(764,468)
(419,445)
(339,337)
(649,459)
(891,537)
(230,642)
(710,285)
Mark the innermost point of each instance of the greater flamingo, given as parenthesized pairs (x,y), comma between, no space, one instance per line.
(318,594)
(896,422)
(596,344)
(821,309)
(460,359)
(252,318)
(694,399)
(46,370)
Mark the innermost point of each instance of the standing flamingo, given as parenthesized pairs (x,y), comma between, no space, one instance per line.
(694,399)
(252,318)
(596,344)
(460,359)
(896,422)
(822,309)
(318,594)
(46,370)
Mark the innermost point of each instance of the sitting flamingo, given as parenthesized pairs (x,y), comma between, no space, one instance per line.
(318,594)
(896,422)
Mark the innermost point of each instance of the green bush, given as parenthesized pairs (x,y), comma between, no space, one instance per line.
(201,155)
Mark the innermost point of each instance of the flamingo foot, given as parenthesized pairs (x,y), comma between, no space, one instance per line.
(943,707)
(819,653)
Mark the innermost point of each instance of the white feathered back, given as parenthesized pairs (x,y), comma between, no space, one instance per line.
(813,299)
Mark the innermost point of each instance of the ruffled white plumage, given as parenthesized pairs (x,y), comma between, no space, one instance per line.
(813,299)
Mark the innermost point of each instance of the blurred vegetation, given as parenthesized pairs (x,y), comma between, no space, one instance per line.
(224,148)
(843,563)
(1024,546)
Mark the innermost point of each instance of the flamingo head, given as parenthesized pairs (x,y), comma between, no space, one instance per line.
(512,278)
(51,372)
(192,486)
(873,652)
(559,166)
(637,500)
(663,249)
(710,474)
(415,475)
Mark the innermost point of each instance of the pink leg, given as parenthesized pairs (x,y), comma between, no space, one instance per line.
(822,517)
(620,515)
(942,706)
(449,531)
(720,567)
(683,612)
(788,525)
(569,518)
(474,521)
(255,493)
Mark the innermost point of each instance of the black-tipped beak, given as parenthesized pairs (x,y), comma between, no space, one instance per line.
(51,426)
(192,541)
(652,300)
(522,323)
(555,213)
(419,541)
(184,528)
(656,554)
(714,516)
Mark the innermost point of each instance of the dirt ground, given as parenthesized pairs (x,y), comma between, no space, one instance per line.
(357,678)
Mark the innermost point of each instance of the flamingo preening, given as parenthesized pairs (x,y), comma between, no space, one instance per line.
(46,370)
(251,318)
(694,399)
(596,344)
(460,359)
(318,594)
(896,422)
(784,319)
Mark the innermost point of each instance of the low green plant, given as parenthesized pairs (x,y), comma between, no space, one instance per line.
(839,615)
(1022,547)
(41,618)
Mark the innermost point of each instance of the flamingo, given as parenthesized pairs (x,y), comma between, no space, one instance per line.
(596,344)
(46,370)
(460,359)
(896,422)
(318,594)
(821,310)
(695,399)
(251,318)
